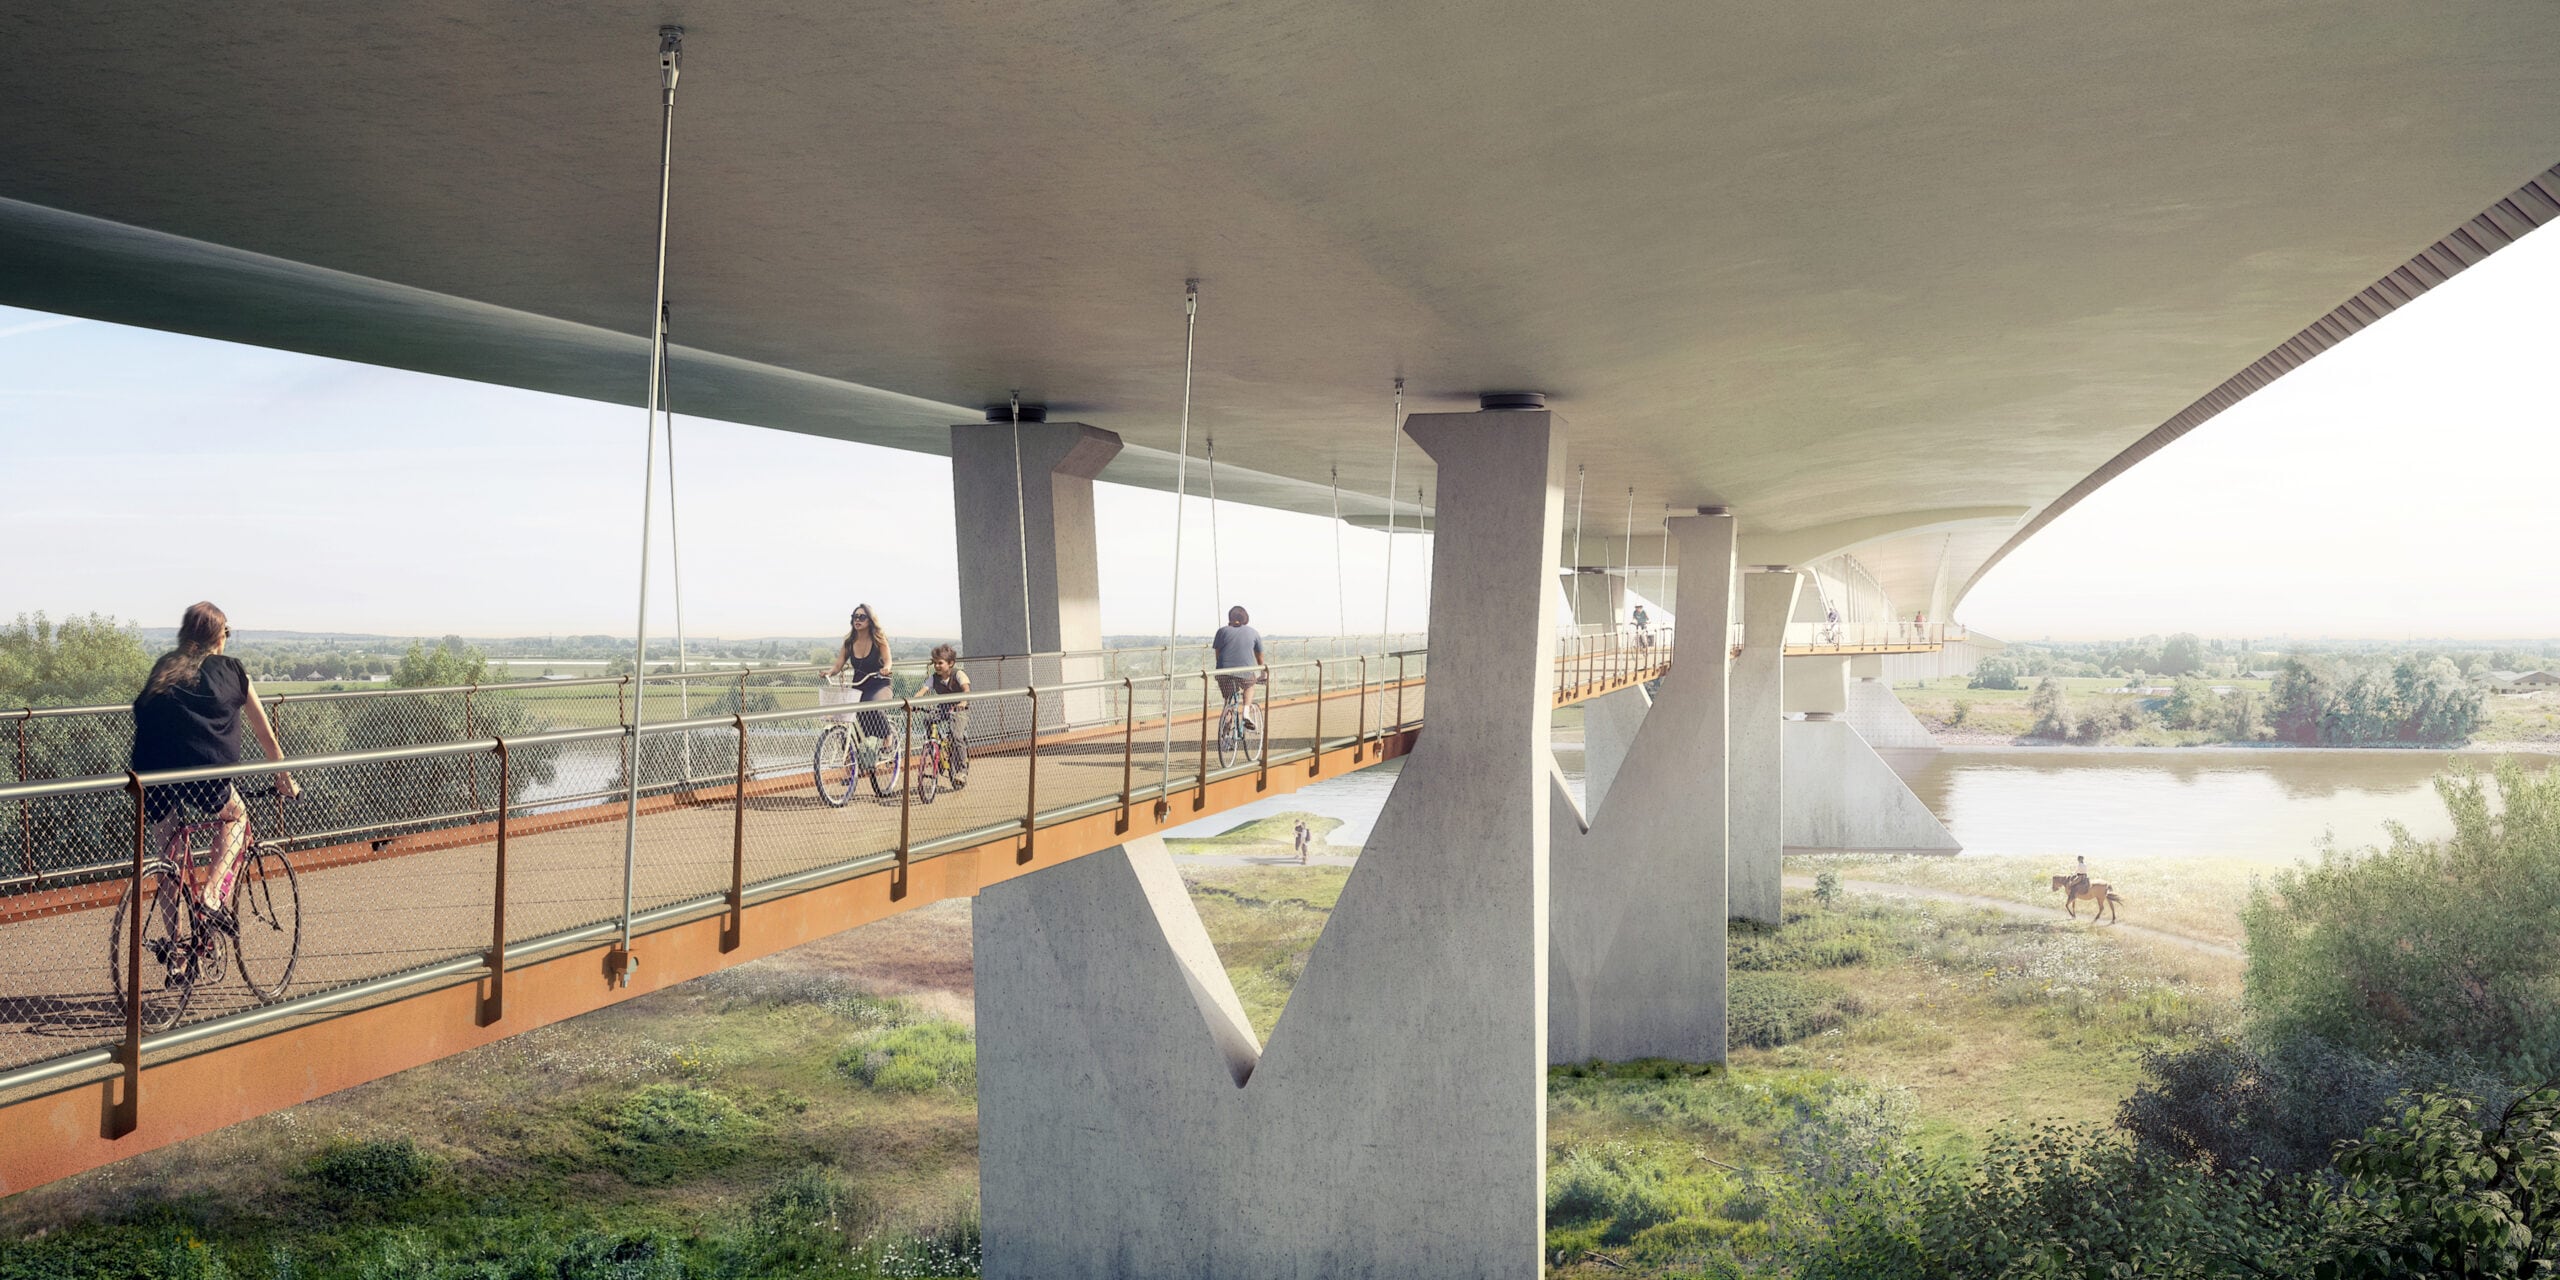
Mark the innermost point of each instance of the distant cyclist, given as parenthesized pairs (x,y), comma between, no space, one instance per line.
(1644,628)
(1237,646)
(866,650)
(188,716)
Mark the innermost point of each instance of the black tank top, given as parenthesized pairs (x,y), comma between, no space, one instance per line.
(195,723)
(865,670)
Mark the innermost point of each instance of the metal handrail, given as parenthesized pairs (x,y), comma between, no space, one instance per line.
(506,750)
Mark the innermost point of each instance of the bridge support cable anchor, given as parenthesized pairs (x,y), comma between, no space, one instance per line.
(620,962)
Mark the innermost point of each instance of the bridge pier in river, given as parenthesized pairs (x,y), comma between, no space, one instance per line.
(1129,1125)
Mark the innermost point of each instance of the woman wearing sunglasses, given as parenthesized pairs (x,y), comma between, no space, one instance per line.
(866,650)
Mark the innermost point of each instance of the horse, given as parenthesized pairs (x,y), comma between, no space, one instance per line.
(2099,893)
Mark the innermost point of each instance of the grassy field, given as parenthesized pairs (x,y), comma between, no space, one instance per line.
(2197,897)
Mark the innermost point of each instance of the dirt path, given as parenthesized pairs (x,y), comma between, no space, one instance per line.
(2020,911)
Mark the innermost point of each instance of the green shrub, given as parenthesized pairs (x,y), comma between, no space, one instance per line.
(665,1131)
(2435,1193)
(2227,1104)
(2440,945)
(2053,1202)
(616,1255)
(1993,673)
(1631,1188)
(1808,940)
(914,1059)
(373,1170)
(1765,1010)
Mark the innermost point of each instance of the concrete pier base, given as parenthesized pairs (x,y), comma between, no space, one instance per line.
(1396,1123)
(1637,963)
(1759,746)
(1842,797)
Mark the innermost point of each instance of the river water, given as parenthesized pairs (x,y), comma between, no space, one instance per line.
(2270,804)
(2264,803)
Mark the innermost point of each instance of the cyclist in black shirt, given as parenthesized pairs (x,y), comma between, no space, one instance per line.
(189,715)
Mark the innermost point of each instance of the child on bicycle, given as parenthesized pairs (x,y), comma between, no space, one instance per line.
(948,678)
(188,715)
(1238,646)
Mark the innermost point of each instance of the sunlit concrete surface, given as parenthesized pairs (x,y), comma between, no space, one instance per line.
(1638,966)
(1842,797)
(1759,747)
(1396,1123)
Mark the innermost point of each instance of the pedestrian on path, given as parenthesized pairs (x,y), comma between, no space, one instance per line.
(1303,838)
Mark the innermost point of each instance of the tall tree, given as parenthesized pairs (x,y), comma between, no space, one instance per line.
(84,660)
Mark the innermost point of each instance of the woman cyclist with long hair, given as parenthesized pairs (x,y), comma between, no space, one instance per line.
(866,650)
(189,715)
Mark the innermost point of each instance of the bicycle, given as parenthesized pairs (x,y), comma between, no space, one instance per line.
(946,756)
(843,755)
(188,943)
(1233,742)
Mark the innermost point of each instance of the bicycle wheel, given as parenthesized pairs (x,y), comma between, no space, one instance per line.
(167,931)
(885,764)
(1230,737)
(832,765)
(928,782)
(266,905)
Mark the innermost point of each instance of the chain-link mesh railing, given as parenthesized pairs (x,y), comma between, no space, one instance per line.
(407,863)
(80,742)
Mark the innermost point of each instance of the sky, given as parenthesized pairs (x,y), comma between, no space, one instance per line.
(2405,484)
(2400,485)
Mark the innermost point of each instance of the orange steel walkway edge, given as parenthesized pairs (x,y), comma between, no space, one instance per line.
(67,1127)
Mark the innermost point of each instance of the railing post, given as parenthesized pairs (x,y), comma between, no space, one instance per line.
(26,808)
(907,793)
(1200,783)
(1031,784)
(1315,741)
(1262,781)
(127,1113)
(1399,692)
(737,930)
(1360,727)
(1128,746)
(495,1006)
(470,727)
